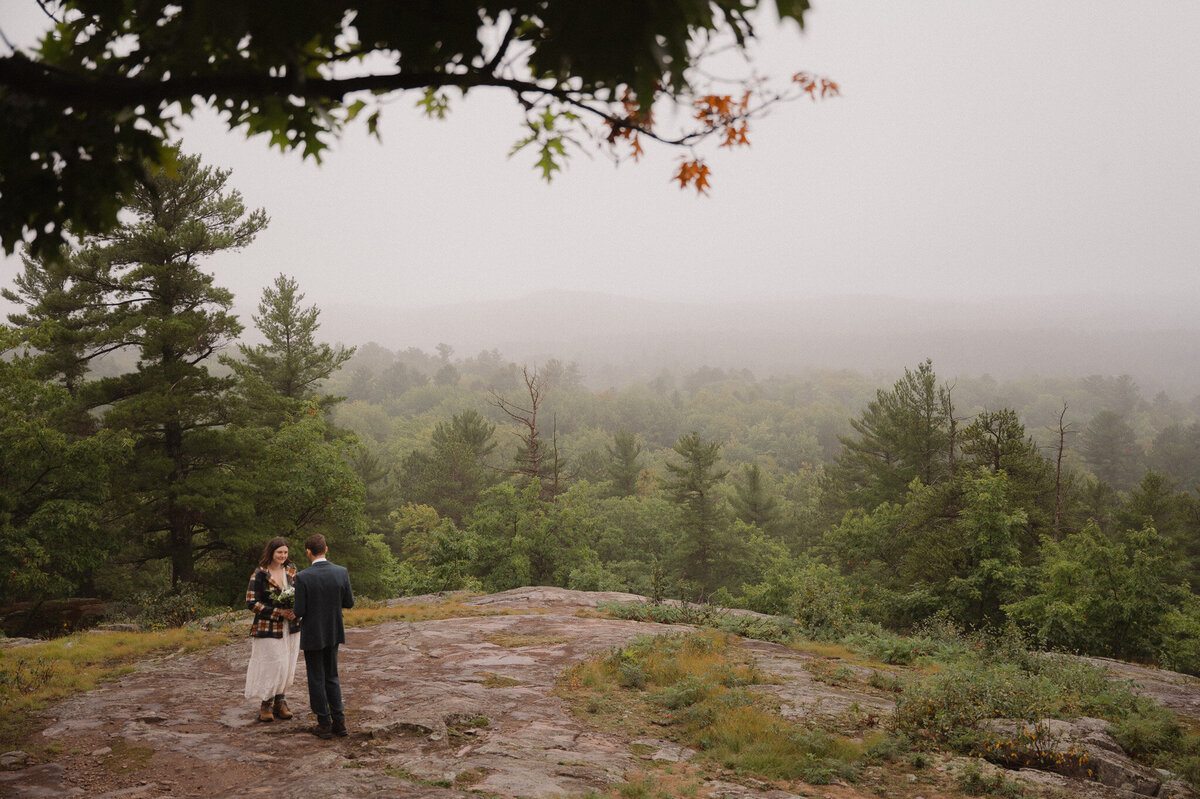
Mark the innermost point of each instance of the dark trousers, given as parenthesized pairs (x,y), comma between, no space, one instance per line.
(324,690)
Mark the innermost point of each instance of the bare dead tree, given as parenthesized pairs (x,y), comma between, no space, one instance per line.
(1063,429)
(533,461)
(948,406)
(530,458)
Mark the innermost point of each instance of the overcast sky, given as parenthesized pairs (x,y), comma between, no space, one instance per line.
(979,150)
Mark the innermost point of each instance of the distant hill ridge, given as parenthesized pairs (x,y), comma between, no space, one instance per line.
(1154,339)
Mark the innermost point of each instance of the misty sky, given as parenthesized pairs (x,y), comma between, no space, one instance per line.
(979,150)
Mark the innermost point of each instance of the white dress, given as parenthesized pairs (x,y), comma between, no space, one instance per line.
(272,665)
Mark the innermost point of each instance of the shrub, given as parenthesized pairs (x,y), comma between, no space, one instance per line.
(170,607)
(19,676)
(817,597)
(947,707)
(1149,733)
(973,782)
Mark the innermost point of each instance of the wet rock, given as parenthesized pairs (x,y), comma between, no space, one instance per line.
(1081,748)
(8,643)
(1176,789)
(43,781)
(661,751)
(729,790)
(13,758)
(1178,692)
(51,616)
(455,707)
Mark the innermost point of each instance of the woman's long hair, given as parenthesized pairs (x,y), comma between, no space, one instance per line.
(268,554)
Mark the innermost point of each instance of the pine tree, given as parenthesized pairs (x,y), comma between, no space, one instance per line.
(146,291)
(692,485)
(624,464)
(452,477)
(288,369)
(752,502)
(1110,448)
(903,435)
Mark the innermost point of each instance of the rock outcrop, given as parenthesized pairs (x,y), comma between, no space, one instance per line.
(1081,749)
(450,708)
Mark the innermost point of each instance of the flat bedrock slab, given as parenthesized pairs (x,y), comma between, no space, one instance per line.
(436,709)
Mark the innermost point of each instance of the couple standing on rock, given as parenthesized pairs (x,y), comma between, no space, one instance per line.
(309,603)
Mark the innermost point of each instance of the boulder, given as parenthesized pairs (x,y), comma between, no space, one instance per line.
(1081,748)
(50,617)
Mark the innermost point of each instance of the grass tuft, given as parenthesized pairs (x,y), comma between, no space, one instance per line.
(514,640)
(696,684)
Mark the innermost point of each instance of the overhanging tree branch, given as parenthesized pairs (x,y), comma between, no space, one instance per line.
(92,111)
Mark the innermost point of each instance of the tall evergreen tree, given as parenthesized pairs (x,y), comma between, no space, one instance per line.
(752,501)
(452,477)
(996,442)
(144,289)
(1110,449)
(903,435)
(692,485)
(58,317)
(288,369)
(624,465)
(1176,452)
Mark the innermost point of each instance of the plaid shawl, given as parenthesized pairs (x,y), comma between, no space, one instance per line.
(267,621)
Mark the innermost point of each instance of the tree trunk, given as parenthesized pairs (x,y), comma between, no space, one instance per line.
(1062,435)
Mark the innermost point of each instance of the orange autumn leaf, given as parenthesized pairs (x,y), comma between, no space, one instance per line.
(735,135)
(635,148)
(811,84)
(694,172)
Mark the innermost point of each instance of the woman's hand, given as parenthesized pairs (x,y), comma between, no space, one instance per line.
(287,613)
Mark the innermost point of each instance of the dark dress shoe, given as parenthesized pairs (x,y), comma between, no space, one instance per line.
(323,731)
(339,729)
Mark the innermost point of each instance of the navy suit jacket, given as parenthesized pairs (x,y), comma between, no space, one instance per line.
(322,590)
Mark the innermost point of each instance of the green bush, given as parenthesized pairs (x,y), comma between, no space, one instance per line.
(823,604)
(170,607)
(1180,636)
(947,707)
(1108,595)
(1149,733)
(972,781)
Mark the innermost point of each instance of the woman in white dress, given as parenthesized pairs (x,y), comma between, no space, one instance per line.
(275,632)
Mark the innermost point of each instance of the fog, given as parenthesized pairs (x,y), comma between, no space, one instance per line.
(1005,188)
(616,338)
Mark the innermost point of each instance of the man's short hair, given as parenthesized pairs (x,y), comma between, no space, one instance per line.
(315,544)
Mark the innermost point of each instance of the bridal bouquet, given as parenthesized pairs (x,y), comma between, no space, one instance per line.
(283,597)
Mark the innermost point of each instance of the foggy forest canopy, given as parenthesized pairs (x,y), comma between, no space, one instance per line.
(149,452)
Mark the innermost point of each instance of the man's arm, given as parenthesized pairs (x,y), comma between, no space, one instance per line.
(300,605)
(347,594)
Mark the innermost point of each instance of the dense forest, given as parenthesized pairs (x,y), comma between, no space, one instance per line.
(147,454)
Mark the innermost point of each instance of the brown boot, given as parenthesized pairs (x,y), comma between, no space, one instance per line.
(264,712)
(281,710)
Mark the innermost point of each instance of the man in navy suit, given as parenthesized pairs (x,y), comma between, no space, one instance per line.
(322,590)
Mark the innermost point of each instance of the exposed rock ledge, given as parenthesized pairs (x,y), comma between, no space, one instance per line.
(415,692)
